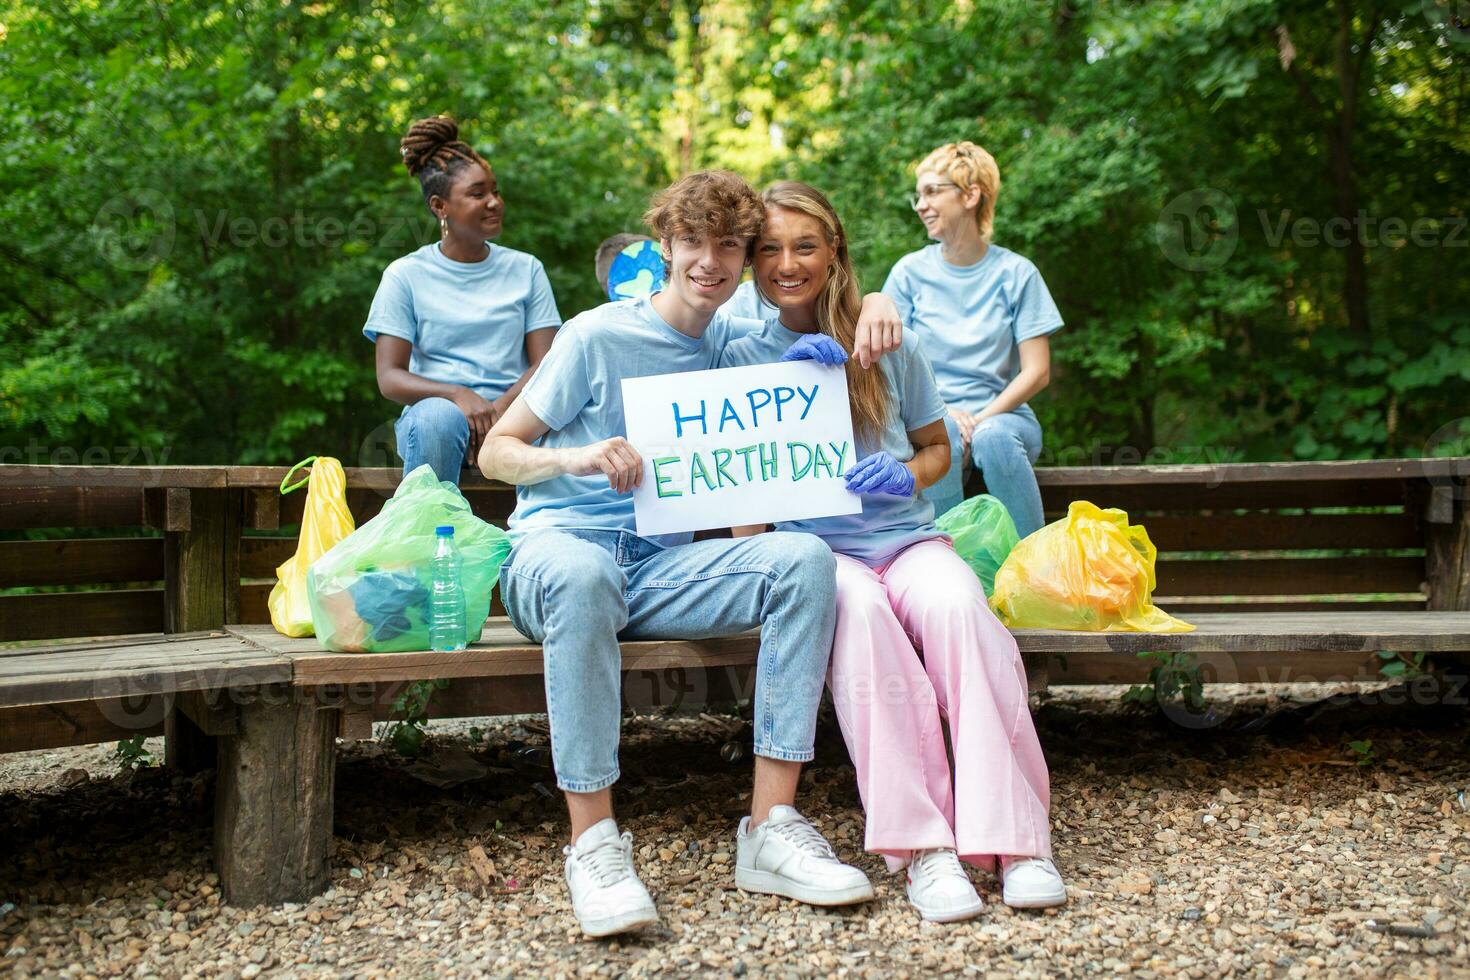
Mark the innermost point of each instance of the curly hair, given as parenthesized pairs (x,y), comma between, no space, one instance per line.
(433,152)
(710,202)
(968,166)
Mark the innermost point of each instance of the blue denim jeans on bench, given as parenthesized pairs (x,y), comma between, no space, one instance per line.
(1004,449)
(577,592)
(433,431)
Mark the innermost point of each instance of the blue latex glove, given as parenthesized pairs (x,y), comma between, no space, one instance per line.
(816,347)
(881,473)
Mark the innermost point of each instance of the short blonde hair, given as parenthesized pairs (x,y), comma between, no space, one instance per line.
(968,166)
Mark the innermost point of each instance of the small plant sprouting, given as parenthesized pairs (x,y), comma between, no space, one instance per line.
(132,754)
(1404,666)
(1173,675)
(1363,751)
(411,714)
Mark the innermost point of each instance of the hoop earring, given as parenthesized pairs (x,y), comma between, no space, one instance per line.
(443,227)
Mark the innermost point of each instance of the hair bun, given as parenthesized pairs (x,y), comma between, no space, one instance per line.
(425,138)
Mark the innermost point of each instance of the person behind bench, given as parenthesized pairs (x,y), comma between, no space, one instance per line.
(579,577)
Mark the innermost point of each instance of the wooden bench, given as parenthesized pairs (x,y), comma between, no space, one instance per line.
(1290,570)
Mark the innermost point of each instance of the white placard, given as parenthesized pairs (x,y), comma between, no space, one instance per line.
(744,445)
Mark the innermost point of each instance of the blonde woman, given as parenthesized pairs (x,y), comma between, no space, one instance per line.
(901,589)
(983,315)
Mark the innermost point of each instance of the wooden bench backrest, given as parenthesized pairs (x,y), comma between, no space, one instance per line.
(138,551)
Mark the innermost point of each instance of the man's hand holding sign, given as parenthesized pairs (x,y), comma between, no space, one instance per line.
(742,445)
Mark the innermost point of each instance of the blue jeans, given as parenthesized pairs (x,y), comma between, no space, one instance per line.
(433,431)
(1004,448)
(577,592)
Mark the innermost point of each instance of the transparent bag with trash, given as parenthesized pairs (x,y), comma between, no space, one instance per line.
(370,594)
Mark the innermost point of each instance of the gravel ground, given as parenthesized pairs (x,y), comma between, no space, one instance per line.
(1257,847)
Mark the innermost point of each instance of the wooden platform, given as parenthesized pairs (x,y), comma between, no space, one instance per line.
(1290,571)
(502,652)
(254,656)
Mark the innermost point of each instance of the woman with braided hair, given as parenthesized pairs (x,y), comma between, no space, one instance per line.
(459,324)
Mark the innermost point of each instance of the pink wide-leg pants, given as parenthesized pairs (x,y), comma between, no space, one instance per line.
(890,701)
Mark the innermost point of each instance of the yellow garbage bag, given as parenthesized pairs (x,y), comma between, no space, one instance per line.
(325,522)
(1091,570)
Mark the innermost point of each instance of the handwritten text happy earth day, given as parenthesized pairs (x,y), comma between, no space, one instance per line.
(741,445)
(712,473)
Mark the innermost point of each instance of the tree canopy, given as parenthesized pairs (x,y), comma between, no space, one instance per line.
(1248,210)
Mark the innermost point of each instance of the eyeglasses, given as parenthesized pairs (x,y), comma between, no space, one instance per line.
(928,192)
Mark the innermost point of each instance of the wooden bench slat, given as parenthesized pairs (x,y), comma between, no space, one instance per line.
(504,652)
(1281,632)
(501,652)
(1282,532)
(80,561)
(200,477)
(386,478)
(1183,606)
(115,659)
(49,726)
(1216,473)
(1288,576)
(254,598)
(259,557)
(139,670)
(33,507)
(1138,499)
(59,614)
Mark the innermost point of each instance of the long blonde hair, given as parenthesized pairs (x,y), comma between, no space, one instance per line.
(839,304)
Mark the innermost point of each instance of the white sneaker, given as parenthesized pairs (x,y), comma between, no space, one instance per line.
(939,887)
(607,896)
(1031,883)
(787,856)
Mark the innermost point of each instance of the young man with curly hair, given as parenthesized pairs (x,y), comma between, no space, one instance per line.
(580,577)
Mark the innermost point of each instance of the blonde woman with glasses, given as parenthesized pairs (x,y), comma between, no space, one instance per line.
(983,314)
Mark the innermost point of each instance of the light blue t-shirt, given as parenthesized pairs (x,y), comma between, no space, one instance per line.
(467,321)
(971,319)
(578,392)
(748,303)
(888,524)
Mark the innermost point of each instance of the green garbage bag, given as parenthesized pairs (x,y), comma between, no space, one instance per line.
(983,534)
(370,593)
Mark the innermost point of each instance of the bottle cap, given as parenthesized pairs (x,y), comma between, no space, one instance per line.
(445,530)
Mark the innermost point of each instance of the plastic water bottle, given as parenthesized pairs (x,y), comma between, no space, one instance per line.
(446,602)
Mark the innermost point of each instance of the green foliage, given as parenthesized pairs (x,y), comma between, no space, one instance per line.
(132,754)
(1171,676)
(200,197)
(1403,666)
(407,731)
(1362,752)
